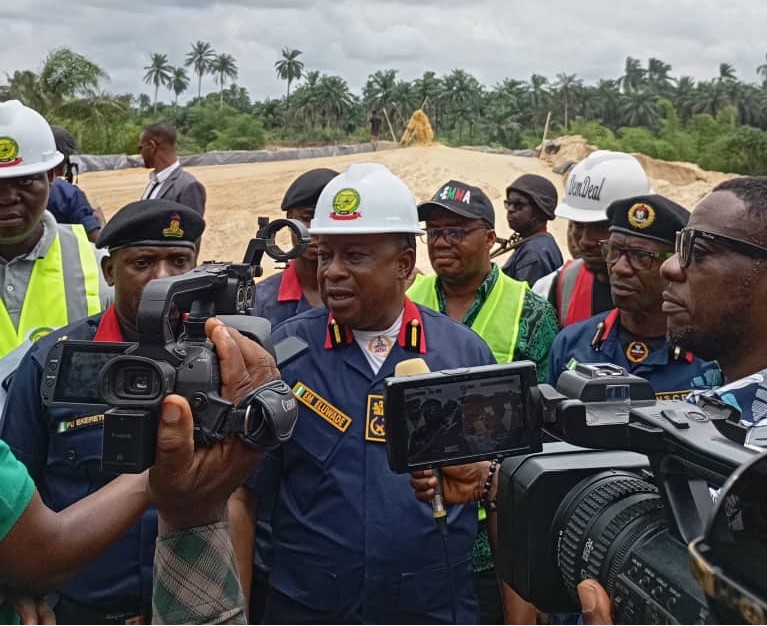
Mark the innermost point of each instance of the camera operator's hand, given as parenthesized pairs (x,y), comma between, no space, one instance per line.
(461,484)
(595,603)
(189,486)
(33,610)
(244,364)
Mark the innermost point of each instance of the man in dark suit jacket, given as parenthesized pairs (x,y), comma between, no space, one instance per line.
(167,179)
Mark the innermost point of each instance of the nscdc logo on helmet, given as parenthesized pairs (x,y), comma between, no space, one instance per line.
(641,215)
(9,152)
(346,204)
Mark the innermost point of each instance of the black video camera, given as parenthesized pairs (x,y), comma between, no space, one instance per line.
(174,356)
(625,514)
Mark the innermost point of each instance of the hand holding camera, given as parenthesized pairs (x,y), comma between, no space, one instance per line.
(191,486)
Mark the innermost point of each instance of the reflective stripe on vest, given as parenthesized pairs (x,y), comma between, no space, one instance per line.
(574,293)
(63,287)
(498,320)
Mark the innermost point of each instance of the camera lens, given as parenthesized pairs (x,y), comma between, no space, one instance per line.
(138,382)
(598,524)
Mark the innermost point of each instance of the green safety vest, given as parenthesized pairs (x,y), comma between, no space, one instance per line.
(64,287)
(498,320)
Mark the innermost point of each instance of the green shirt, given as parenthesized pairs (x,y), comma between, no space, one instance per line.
(16,491)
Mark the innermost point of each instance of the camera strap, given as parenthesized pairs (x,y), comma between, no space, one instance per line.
(264,417)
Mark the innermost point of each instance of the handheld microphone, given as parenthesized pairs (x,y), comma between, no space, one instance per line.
(412,367)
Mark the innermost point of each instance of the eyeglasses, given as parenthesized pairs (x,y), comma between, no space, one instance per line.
(685,241)
(516,204)
(452,235)
(638,259)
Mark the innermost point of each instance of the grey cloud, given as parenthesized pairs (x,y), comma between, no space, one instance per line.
(493,39)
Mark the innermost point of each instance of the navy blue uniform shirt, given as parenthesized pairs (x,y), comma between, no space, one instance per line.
(671,372)
(279,297)
(61,448)
(70,206)
(351,541)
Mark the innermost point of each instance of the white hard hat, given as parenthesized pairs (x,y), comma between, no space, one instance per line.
(365,199)
(598,180)
(26,142)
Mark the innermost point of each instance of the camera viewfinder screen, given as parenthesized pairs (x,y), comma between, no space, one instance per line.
(464,418)
(78,379)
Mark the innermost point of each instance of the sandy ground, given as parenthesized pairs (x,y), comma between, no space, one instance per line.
(238,194)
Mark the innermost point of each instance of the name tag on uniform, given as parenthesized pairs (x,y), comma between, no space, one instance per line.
(374,424)
(672,395)
(80,422)
(333,416)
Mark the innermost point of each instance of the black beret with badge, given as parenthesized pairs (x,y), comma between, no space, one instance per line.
(306,189)
(462,199)
(650,216)
(152,223)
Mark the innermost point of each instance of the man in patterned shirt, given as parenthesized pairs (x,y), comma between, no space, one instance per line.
(514,322)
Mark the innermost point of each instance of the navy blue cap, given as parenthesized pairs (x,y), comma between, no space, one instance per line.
(650,216)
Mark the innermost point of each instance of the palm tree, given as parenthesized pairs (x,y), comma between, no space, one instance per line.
(566,84)
(633,75)
(289,68)
(178,82)
(224,67)
(335,98)
(639,109)
(379,91)
(428,90)
(658,78)
(762,71)
(200,57)
(158,72)
(726,72)
(462,98)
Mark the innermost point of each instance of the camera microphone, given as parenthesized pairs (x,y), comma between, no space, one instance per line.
(413,367)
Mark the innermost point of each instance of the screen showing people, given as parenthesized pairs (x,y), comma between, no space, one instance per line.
(467,418)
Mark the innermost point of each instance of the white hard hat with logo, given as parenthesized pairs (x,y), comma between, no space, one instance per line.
(27,145)
(596,181)
(365,199)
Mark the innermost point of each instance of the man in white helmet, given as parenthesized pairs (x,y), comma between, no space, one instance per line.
(581,288)
(351,545)
(50,273)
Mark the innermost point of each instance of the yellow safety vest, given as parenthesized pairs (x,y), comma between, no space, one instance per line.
(498,320)
(64,287)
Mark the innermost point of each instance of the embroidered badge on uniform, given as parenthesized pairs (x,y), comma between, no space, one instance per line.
(637,351)
(80,422)
(380,346)
(333,416)
(374,427)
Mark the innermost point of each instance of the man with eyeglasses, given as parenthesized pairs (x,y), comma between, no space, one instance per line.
(633,335)
(530,203)
(715,297)
(581,287)
(470,288)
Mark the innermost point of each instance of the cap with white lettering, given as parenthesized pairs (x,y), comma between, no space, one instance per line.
(461,199)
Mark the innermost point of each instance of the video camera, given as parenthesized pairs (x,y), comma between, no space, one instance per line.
(173,355)
(620,498)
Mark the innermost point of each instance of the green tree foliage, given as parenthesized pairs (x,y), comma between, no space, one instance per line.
(289,68)
(719,123)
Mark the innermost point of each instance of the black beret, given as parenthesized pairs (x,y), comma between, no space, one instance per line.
(306,189)
(540,191)
(651,216)
(152,223)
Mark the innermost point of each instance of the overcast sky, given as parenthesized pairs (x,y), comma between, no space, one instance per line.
(492,39)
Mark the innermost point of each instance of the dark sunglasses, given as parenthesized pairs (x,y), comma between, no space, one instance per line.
(516,204)
(453,235)
(638,259)
(685,241)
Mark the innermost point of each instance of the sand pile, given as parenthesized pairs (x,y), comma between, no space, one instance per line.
(238,194)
